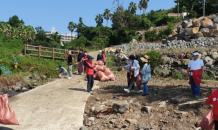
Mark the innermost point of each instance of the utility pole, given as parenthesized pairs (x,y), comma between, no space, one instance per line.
(177,8)
(204,9)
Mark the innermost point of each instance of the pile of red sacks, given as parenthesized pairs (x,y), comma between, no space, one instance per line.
(103,73)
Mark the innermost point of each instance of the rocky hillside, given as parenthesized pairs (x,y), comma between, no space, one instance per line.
(193,29)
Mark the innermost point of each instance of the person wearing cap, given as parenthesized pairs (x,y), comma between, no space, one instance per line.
(90,73)
(195,73)
(146,73)
(63,71)
(100,56)
(213,100)
(80,62)
(134,67)
(70,61)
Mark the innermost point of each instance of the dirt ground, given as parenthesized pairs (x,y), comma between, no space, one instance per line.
(165,99)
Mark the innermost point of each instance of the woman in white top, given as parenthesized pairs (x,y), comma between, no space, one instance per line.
(134,66)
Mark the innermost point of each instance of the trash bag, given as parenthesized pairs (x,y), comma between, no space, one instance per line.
(7,115)
(208,121)
(139,80)
(102,77)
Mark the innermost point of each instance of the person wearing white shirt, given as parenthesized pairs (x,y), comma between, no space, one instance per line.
(196,67)
(134,66)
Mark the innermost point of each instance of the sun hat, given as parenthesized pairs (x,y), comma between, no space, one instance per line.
(144,58)
(90,57)
(100,51)
(195,54)
(59,66)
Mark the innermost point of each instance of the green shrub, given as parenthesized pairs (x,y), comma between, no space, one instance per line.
(110,60)
(146,23)
(155,57)
(151,35)
(179,76)
(207,77)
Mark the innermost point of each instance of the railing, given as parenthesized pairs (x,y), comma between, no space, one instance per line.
(60,54)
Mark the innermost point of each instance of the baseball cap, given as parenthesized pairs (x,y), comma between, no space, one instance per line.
(90,57)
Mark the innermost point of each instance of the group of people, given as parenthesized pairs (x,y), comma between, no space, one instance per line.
(133,71)
(84,64)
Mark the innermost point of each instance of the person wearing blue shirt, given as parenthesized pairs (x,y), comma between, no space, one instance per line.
(100,56)
(146,73)
(63,71)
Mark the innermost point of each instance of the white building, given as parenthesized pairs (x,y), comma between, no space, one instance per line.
(64,37)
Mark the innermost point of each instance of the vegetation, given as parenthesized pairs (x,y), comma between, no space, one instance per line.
(154,57)
(179,76)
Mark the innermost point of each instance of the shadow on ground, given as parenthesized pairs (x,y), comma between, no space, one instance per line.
(78,89)
(5,128)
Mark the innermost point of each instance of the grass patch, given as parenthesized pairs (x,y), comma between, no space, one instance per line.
(110,60)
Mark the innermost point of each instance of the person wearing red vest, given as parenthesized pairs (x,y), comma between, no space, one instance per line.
(213,100)
(104,57)
(89,73)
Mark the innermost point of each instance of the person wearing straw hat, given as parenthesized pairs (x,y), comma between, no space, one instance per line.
(146,73)
(195,73)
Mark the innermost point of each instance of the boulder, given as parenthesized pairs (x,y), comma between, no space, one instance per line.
(19,84)
(36,77)
(179,28)
(120,106)
(188,31)
(194,31)
(165,60)
(99,108)
(187,38)
(215,20)
(207,23)
(214,55)
(212,17)
(208,61)
(204,54)
(185,24)
(205,32)
(189,56)
(215,26)
(213,32)
(43,77)
(199,34)
(180,55)
(174,33)
(185,61)
(133,41)
(162,104)
(196,23)
(5,90)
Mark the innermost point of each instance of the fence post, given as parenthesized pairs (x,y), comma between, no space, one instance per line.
(53,53)
(39,51)
(25,49)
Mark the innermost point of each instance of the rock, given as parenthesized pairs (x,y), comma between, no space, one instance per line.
(205,32)
(162,104)
(194,31)
(212,17)
(174,33)
(189,56)
(120,106)
(133,41)
(164,72)
(97,99)
(109,126)
(208,61)
(188,31)
(214,32)
(43,77)
(24,89)
(185,24)
(215,20)
(185,61)
(214,55)
(87,122)
(99,108)
(84,128)
(199,34)
(165,60)
(207,23)
(19,84)
(113,121)
(215,26)
(147,109)
(164,41)
(5,90)
(180,56)
(131,121)
(36,77)
(136,104)
(91,119)
(143,127)
(196,23)
(182,113)
(187,38)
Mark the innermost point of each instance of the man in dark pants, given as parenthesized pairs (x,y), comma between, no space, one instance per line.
(89,73)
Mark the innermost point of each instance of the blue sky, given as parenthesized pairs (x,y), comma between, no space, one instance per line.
(58,13)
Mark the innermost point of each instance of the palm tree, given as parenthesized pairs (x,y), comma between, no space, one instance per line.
(71,28)
(132,7)
(140,7)
(99,20)
(144,5)
(107,15)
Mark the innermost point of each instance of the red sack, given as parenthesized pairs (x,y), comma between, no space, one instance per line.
(80,67)
(208,121)
(111,76)
(99,63)
(100,68)
(107,71)
(139,80)
(7,115)
(102,77)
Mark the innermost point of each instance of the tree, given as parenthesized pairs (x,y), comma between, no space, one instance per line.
(132,7)
(71,28)
(140,7)
(144,5)
(80,26)
(107,15)
(99,20)
(15,22)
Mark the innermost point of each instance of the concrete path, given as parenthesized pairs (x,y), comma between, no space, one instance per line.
(58,105)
